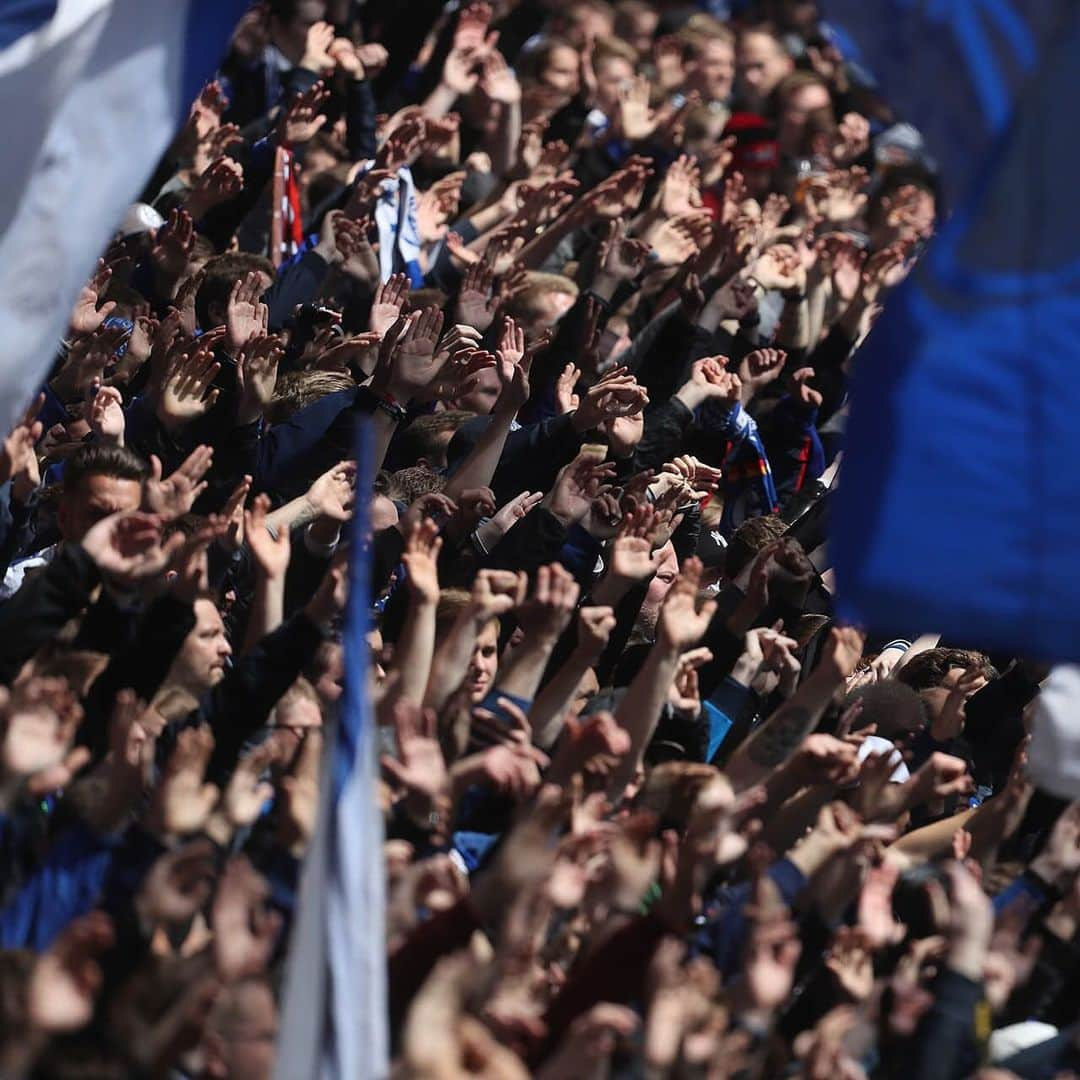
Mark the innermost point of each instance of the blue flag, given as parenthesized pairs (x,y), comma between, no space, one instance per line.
(957,510)
(334,1012)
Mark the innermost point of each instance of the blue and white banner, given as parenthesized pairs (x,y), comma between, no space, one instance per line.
(334,1012)
(958,508)
(91,94)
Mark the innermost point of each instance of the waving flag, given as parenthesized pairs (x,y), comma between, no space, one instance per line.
(958,509)
(334,1014)
(92,92)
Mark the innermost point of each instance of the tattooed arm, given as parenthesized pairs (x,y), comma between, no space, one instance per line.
(779,737)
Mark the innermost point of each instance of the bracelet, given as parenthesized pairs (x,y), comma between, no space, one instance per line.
(392,408)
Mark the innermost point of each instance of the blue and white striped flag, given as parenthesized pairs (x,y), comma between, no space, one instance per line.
(334,1013)
(91,93)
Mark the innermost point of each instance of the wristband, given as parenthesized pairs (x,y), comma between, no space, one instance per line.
(392,408)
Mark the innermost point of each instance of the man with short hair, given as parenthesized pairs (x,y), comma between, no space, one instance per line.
(99,480)
(762,63)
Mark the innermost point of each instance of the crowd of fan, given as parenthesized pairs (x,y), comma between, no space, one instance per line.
(593,278)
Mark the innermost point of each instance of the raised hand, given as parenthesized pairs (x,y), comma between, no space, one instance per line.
(413,363)
(303,118)
(172,245)
(271,552)
(421,557)
(17,453)
(187,391)
(178,885)
(86,361)
(802,391)
(497,80)
(183,800)
(89,312)
(245,928)
(497,592)
(62,991)
(300,796)
(333,495)
(759,368)
(476,305)
(566,401)
(635,120)
(680,193)
(107,415)
(223,180)
(709,379)
(703,479)
(245,315)
(172,498)
(128,548)
(359,260)
(672,242)
(513,367)
(773,948)
(549,608)
(317,44)
(578,484)
(778,267)
(388,302)
(619,256)
(256,376)
(685,617)
(39,725)
(419,767)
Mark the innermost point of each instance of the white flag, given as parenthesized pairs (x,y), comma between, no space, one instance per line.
(91,94)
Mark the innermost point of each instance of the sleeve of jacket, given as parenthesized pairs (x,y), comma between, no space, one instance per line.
(219,223)
(533,456)
(360,120)
(298,283)
(535,540)
(943,1047)
(35,614)
(794,446)
(66,885)
(142,667)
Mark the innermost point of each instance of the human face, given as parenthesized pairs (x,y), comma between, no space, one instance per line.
(562,72)
(328,684)
(96,497)
(762,63)
(611,74)
(200,663)
(639,34)
(291,37)
(482,397)
(584,24)
(803,102)
(484,662)
(716,70)
(437,458)
(553,306)
(383,513)
(587,688)
(666,573)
